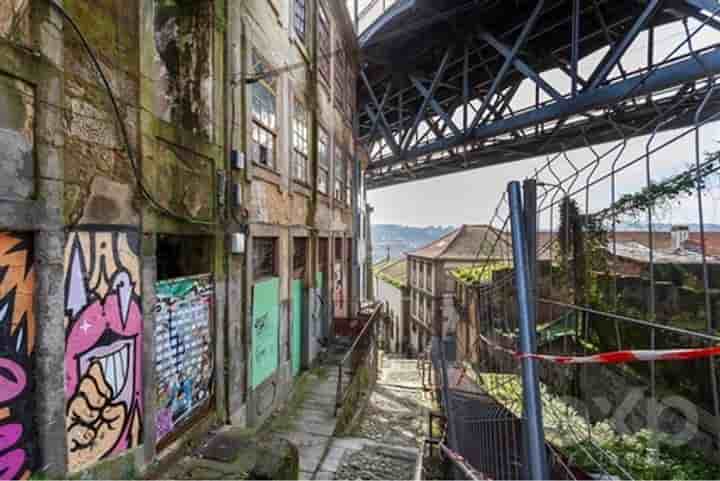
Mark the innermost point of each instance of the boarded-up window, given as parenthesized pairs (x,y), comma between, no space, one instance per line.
(264,257)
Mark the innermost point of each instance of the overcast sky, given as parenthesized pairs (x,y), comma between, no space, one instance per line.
(471,197)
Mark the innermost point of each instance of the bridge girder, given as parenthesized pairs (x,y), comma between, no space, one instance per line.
(432,106)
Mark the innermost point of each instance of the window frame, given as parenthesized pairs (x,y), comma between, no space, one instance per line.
(299,259)
(323,169)
(259,274)
(348,179)
(300,174)
(338,180)
(324,39)
(298,21)
(258,124)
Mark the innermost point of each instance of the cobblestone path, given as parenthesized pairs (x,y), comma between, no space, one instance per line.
(386,441)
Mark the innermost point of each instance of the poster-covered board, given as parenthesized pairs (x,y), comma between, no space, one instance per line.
(183,360)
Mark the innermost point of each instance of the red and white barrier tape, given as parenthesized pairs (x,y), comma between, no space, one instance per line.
(617,357)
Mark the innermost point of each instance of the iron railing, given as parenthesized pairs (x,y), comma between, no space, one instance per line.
(357,370)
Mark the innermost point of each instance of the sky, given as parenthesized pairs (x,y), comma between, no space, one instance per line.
(471,196)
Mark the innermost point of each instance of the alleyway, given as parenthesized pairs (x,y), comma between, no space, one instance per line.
(385,442)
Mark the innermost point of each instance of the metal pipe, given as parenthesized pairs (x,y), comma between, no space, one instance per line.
(532,403)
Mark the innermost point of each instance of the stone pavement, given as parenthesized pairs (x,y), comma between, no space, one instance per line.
(386,442)
(313,423)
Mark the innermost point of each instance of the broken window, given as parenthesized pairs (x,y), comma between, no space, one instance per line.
(264,257)
(323,161)
(182,256)
(300,17)
(324,44)
(300,143)
(338,249)
(264,116)
(324,255)
(339,171)
(299,257)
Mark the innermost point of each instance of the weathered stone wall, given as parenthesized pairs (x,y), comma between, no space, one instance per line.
(98,192)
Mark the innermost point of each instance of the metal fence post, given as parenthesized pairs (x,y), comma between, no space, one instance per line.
(451,426)
(532,402)
(531,240)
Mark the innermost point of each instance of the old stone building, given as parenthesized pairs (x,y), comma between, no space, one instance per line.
(432,283)
(179,205)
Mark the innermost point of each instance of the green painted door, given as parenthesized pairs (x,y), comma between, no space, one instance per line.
(296,341)
(265,330)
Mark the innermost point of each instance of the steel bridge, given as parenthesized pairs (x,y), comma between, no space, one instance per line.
(453,85)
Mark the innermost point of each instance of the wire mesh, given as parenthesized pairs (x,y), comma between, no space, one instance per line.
(628,258)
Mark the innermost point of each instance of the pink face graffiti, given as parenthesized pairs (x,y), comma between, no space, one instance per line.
(102,359)
(12,455)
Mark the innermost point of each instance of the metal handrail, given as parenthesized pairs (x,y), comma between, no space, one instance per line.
(368,325)
(366,331)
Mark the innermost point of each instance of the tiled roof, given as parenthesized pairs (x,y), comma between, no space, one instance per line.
(468,242)
(396,270)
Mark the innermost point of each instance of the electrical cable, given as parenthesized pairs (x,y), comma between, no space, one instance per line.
(121,124)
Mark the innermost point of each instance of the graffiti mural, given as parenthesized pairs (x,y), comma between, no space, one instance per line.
(183,359)
(265,330)
(18,449)
(103,352)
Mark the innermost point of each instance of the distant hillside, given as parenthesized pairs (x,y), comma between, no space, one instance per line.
(400,239)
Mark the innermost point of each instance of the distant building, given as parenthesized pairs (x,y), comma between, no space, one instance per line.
(391,289)
(431,280)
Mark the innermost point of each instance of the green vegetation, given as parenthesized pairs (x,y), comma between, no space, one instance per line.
(285,420)
(379,270)
(479,274)
(592,447)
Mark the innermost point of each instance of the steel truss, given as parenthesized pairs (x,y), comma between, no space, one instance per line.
(438,99)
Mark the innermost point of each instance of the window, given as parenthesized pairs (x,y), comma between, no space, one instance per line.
(351,79)
(264,257)
(339,172)
(429,278)
(299,257)
(421,275)
(264,117)
(414,273)
(348,181)
(340,76)
(324,44)
(300,143)
(300,20)
(323,161)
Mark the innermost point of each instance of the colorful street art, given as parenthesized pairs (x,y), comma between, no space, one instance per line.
(183,350)
(297,322)
(18,448)
(265,330)
(103,352)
